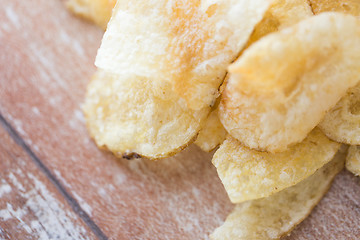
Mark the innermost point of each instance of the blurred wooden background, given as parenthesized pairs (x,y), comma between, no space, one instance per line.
(56,184)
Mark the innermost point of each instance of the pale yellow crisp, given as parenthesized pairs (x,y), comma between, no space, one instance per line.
(186,43)
(248,174)
(275,216)
(342,122)
(138,116)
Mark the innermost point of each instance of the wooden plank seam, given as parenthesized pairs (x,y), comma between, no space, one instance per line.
(73,203)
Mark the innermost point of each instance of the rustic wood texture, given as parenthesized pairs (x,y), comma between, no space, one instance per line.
(45,63)
(30,205)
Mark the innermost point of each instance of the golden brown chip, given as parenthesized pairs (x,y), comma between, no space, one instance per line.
(212,133)
(97,11)
(283,84)
(342,122)
(127,116)
(248,174)
(345,6)
(275,216)
(281,14)
(187,43)
(353,160)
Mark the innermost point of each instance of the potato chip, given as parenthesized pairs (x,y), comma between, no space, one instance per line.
(97,11)
(345,6)
(275,216)
(187,43)
(305,70)
(342,122)
(353,160)
(212,133)
(126,116)
(281,14)
(248,174)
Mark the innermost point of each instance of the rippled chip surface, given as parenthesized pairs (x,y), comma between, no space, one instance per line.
(342,122)
(127,116)
(97,11)
(353,160)
(299,81)
(248,174)
(187,43)
(275,216)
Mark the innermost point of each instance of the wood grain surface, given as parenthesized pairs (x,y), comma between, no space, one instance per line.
(30,205)
(46,61)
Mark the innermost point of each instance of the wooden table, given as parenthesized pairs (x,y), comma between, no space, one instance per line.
(56,184)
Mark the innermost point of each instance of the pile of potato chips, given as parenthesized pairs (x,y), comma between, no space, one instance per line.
(275,83)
